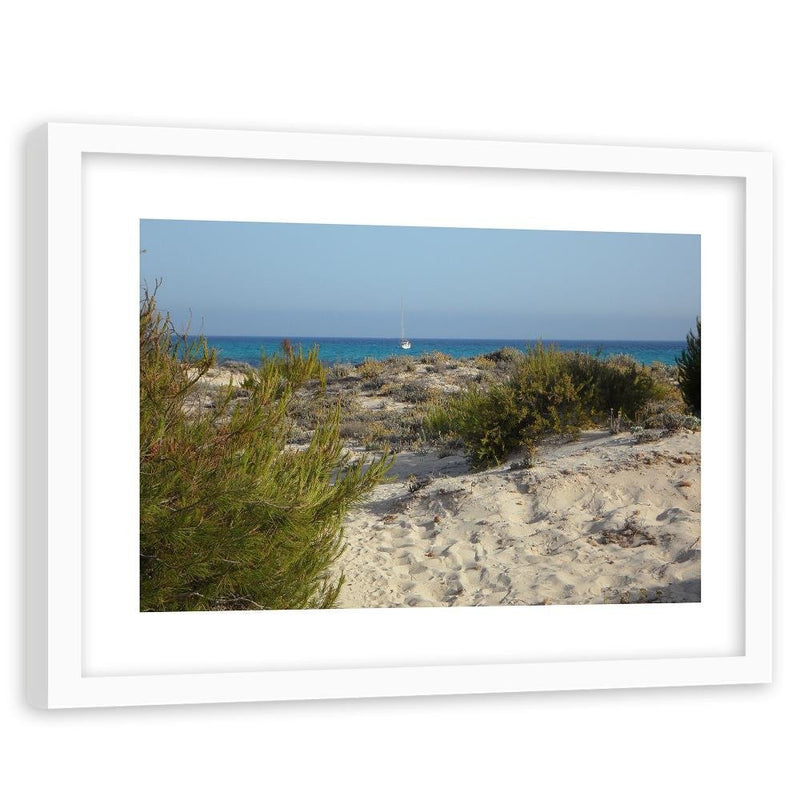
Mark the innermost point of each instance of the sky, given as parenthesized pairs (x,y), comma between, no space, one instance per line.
(294,280)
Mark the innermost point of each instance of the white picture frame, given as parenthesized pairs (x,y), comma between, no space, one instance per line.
(87,645)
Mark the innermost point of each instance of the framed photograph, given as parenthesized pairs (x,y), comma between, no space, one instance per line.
(397,417)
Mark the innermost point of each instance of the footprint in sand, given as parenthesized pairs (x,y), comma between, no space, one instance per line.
(454,587)
(673,515)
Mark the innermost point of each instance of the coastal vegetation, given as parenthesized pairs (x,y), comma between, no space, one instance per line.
(689,371)
(493,404)
(549,392)
(232,516)
(247,473)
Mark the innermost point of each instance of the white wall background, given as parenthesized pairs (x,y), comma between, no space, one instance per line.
(685,73)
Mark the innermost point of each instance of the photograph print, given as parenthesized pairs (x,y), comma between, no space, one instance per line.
(353,416)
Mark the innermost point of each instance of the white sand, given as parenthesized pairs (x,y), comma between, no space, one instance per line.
(598,520)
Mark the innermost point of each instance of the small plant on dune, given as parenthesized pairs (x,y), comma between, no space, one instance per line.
(504,354)
(415,392)
(672,421)
(341,371)
(385,389)
(689,371)
(232,518)
(482,362)
(401,363)
(377,435)
(369,369)
(434,357)
(666,373)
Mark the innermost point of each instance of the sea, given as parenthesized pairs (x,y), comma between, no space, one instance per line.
(249,349)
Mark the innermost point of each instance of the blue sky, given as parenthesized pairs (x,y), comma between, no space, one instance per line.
(284,279)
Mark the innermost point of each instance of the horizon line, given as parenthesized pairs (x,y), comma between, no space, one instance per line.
(428,338)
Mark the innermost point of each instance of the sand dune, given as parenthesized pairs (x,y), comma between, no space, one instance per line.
(599,520)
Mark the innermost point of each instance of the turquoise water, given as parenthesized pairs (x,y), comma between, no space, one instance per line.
(354,351)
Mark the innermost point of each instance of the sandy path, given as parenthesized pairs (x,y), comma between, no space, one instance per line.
(598,520)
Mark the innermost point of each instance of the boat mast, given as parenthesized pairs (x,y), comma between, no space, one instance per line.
(404,343)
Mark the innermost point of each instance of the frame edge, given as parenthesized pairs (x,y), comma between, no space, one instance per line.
(40,692)
(36,489)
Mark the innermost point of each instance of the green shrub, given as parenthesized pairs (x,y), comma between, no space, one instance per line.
(550,395)
(415,392)
(507,354)
(341,371)
(539,398)
(401,363)
(482,362)
(369,369)
(232,518)
(434,357)
(671,421)
(548,392)
(618,383)
(377,435)
(487,422)
(689,371)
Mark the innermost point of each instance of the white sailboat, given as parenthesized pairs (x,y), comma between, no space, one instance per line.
(404,343)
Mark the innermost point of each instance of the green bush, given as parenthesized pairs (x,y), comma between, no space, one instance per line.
(619,383)
(481,362)
(369,369)
(509,354)
(487,422)
(401,363)
(232,518)
(539,398)
(341,371)
(689,371)
(548,392)
(434,357)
